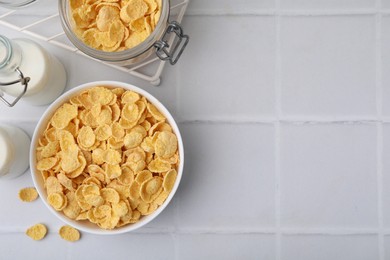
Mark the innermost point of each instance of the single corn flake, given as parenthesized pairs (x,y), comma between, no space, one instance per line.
(169,180)
(69,233)
(37,232)
(64,115)
(166,145)
(57,200)
(159,165)
(28,194)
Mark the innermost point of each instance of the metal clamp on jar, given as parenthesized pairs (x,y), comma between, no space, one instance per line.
(28,71)
(158,42)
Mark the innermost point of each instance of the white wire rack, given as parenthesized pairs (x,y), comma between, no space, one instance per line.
(41,20)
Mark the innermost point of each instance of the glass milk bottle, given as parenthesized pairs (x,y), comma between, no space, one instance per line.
(14,152)
(29,72)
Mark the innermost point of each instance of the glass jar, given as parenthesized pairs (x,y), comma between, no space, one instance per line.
(156,42)
(29,71)
(14,152)
(15,3)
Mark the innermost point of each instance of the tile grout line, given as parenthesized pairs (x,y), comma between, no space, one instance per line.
(278,113)
(278,231)
(264,120)
(379,95)
(381,231)
(178,114)
(290,12)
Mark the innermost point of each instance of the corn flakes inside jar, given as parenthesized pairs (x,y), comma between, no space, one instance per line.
(123,32)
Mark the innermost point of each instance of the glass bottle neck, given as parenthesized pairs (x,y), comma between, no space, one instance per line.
(10,56)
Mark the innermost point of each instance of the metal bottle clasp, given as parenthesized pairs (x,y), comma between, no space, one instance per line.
(179,44)
(23,80)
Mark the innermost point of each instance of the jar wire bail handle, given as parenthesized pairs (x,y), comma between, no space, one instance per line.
(23,80)
(178,46)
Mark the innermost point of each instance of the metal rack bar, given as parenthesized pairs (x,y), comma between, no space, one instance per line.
(134,70)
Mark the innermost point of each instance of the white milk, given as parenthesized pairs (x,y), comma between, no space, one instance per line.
(14,152)
(47,74)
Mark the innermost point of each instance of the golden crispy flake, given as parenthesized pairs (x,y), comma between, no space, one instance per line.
(57,200)
(166,145)
(28,194)
(103,132)
(159,165)
(112,157)
(98,156)
(47,163)
(169,180)
(37,232)
(130,112)
(72,209)
(119,209)
(123,190)
(64,115)
(101,212)
(113,171)
(161,197)
(143,176)
(116,112)
(135,190)
(100,95)
(130,97)
(106,15)
(69,233)
(155,112)
(96,171)
(67,140)
(133,10)
(150,189)
(92,180)
(51,149)
(51,134)
(117,131)
(86,137)
(110,195)
(127,176)
(148,144)
(65,181)
(82,163)
(89,37)
(53,185)
(132,140)
(143,207)
(135,39)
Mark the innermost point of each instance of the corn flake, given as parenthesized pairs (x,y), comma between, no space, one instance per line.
(69,233)
(57,200)
(28,194)
(37,232)
(64,115)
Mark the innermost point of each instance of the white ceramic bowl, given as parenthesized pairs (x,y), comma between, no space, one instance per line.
(86,226)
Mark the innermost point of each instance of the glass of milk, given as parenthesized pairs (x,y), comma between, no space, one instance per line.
(14,152)
(29,72)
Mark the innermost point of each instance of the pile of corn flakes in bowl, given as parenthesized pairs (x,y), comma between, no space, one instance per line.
(114,30)
(106,157)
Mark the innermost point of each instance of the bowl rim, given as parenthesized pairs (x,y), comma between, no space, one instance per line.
(41,125)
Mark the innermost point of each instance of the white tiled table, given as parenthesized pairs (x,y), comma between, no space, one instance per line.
(284,106)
